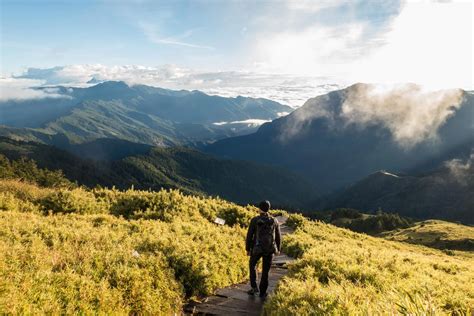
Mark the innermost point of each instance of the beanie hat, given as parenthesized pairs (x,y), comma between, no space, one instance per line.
(264,206)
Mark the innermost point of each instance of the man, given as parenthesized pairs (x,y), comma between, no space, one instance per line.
(263,241)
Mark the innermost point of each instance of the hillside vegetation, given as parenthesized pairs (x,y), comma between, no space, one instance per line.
(28,170)
(360,222)
(172,168)
(339,272)
(72,250)
(109,251)
(444,193)
(436,234)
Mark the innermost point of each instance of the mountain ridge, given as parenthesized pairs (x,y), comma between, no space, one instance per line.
(137,113)
(441,193)
(318,140)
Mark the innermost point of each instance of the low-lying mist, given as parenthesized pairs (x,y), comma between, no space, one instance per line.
(410,112)
(461,170)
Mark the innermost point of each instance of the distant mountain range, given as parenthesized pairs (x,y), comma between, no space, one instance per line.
(325,155)
(444,193)
(139,113)
(123,164)
(320,141)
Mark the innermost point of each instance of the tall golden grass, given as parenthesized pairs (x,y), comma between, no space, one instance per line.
(339,272)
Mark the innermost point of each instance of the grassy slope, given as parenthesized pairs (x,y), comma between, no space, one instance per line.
(107,251)
(436,234)
(341,272)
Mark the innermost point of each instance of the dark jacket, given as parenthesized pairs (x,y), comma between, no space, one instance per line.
(252,233)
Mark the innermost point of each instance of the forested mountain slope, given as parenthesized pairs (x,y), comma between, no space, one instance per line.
(182,168)
(444,193)
(345,135)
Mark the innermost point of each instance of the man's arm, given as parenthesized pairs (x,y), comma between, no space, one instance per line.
(250,236)
(277,235)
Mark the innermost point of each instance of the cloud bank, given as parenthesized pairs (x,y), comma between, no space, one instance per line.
(287,89)
(412,114)
(425,42)
(12,89)
(248,122)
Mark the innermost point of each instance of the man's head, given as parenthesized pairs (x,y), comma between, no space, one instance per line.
(264,206)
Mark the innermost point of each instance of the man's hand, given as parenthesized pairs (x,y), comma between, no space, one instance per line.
(248,253)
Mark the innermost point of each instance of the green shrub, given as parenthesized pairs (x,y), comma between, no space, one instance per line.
(345,213)
(27,170)
(78,201)
(23,190)
(8,202)
(295,220)
(236,215)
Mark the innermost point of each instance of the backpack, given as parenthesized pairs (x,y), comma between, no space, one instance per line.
(265,237)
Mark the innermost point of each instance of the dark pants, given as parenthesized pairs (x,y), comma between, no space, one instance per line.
(267,263)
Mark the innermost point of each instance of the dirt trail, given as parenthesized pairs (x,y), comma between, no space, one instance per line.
(234,300)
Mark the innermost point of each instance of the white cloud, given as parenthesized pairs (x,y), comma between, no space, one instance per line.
(315,50)
(311,5)
(287,89)
(412,114)
(248,122)
(24,89)
(153,35)
(429,43)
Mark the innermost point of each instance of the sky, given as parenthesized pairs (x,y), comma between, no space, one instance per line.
(286,50)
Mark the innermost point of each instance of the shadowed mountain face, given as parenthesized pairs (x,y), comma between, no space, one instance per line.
(135,113)
(152,167)
(341,137)
(445,193)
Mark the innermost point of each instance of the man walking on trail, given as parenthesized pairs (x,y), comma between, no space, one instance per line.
(263,241)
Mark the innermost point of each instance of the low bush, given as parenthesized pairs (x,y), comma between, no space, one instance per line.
(27,170)
(295,220)
(23,190)
(79,201)
(8,202)
(345,213)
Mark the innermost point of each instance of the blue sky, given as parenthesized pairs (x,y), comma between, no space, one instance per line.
(236,46)
(198,34)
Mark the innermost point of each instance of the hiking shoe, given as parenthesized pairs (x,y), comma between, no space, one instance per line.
(263,295)
(252,291)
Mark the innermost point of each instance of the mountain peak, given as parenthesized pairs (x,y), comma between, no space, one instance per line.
(110,84)
(94,80)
